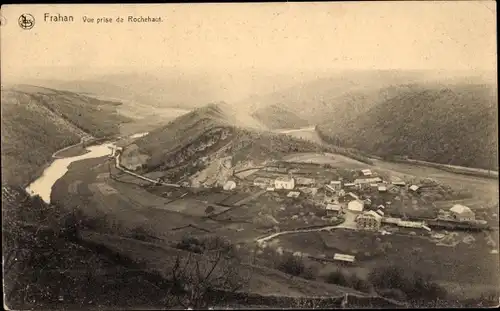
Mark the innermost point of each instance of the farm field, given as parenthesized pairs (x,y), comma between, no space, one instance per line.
(132,207)
(262,280)
(463,264)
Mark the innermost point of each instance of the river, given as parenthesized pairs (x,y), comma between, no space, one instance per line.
(42,186)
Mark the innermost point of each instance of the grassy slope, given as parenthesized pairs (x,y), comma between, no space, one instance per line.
(36,122)
(445,124)
(54,270)
(48,265)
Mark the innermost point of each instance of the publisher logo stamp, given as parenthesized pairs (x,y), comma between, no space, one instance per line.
(3,21)
(26,21)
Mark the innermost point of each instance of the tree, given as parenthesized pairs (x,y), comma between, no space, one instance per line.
(360,284)
(418,288)
(291,264)
(200,280)
(338,277)
(309,273)
(387,277)
(321,213)
(27,247)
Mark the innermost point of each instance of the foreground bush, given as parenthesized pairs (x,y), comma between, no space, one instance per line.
(291,264)
(343,278)
(205,244)
(418,288)
(338,277)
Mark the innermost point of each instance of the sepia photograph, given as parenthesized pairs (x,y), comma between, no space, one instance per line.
(286,155)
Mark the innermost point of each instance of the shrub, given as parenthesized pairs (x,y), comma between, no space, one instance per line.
(321,213)
(389,277)
(140,233)
(293,265)
(418,288)
(191,244)
(360,284)
(69,225)
(309,273)
(339,277)
(209,243)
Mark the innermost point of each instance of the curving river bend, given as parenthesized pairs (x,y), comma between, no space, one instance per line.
(42,186)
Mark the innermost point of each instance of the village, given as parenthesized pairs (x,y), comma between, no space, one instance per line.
(287,196)
(361,199)
(335,215)
(332,216)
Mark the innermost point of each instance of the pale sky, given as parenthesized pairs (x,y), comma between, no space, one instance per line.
(275,37)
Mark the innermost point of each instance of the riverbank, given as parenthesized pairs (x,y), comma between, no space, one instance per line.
(450,168)
(42,186)
(71,151)
(62,159)
(81,148)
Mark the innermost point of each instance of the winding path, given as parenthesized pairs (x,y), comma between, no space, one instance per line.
(325,228)
(54,155)
(287,131)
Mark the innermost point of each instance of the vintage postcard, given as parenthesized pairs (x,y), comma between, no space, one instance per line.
(250,155)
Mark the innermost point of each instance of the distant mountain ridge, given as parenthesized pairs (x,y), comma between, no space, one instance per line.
(175,90)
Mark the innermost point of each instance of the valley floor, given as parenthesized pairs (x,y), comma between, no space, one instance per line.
(169,214)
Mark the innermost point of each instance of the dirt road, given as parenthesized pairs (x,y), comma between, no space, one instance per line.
(347,224)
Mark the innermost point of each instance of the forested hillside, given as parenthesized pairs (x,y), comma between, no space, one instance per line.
(450,124)
(36,122)
(326,98)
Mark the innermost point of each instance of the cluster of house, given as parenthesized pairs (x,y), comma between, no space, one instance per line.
(369,220)
(338,192)
(340,197)
(281,183)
